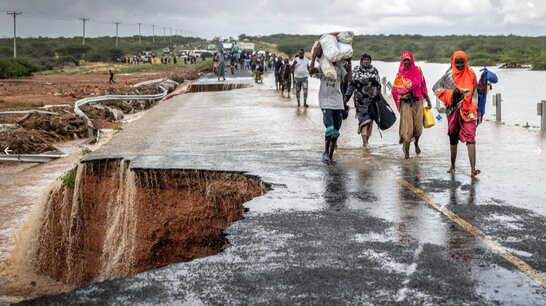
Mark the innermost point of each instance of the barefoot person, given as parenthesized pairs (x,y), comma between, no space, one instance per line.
(332,106)
(409,90)
(458,91)
(366,88)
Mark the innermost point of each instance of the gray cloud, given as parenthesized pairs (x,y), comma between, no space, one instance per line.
(229,18)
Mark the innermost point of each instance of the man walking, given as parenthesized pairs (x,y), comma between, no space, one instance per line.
(301,76)
(221,64)
(277,66)
(331,102)
(286,78)
(111,79)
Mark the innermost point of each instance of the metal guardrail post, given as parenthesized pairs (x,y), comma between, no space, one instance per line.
(384,84)
(497,102)
(541,111)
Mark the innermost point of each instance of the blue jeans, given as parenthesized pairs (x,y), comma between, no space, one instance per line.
(332,119)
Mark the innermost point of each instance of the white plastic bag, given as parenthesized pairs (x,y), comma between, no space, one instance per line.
(346,37)
(346,50)
(328,68)
(330,48)
(440,107)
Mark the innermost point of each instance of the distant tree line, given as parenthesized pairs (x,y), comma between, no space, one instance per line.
(38,54)
(511,50)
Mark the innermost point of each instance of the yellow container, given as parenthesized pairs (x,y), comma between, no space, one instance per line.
(428,118)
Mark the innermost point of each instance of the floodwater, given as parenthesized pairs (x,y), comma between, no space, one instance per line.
(519,88)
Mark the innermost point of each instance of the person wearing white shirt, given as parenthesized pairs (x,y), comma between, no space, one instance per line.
(301,76)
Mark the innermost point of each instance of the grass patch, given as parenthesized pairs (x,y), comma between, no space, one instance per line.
(85,151)
(69,178)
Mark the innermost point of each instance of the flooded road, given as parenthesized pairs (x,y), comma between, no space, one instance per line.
(374,229)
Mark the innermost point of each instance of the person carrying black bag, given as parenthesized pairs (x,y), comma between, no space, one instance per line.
(366,91)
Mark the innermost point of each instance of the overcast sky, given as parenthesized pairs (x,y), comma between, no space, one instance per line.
(209,18)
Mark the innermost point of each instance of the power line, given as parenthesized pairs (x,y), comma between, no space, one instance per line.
(139,36)
(14,31)
(84,20)
(117,23)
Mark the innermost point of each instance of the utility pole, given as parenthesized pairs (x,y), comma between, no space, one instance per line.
(170,35)
(14,31)
(117,23)
(164,33)
(139,37)
(84,20)
(153,33)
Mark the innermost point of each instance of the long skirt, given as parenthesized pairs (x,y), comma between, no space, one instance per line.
(411,121)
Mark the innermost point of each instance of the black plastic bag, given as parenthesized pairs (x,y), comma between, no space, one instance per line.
(382,113)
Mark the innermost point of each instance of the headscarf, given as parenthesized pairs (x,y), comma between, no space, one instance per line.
(360,72)
(464,80)
(408,80)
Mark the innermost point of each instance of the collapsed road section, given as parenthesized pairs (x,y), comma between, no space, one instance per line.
(103,220)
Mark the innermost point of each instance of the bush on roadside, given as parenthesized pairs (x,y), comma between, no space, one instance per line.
(76,51)
(104,55)
(67,59)
(17,67)
(539,62)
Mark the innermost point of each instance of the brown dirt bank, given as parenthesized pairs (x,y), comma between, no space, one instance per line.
(118,222)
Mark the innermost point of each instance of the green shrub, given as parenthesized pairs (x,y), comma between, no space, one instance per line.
(6,52)
(67,59)
(76,51)
(104,55)
(539,62)
(17,67)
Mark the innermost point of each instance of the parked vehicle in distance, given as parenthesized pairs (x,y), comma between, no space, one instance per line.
(146,59)
(166,51)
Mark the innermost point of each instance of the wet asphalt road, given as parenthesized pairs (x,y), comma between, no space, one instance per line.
(362,232)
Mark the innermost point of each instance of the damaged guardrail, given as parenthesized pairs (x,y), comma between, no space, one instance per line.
(31,158)
(84,101)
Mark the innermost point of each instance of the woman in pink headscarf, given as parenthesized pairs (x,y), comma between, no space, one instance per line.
(409,90)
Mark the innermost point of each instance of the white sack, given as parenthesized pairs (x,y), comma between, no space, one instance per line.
(330,48)
(345,50)
(346,37)
(328,68)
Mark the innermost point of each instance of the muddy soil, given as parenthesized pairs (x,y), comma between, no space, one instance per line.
(22,141)
(37,133)
(40,89)
(117,222)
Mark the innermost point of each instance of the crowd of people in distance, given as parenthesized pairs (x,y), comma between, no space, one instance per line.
(457,90)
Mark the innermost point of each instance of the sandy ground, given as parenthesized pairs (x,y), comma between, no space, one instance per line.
(40,90)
